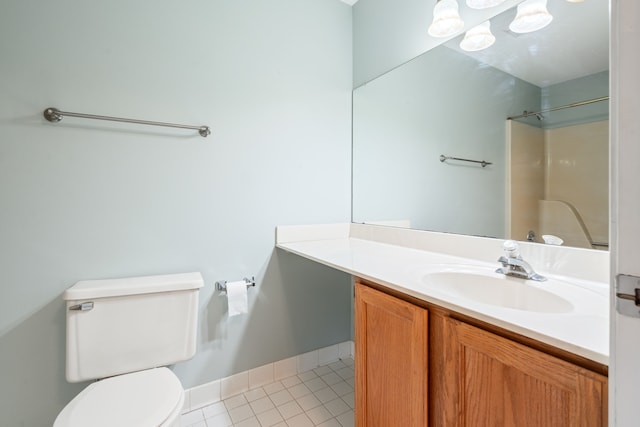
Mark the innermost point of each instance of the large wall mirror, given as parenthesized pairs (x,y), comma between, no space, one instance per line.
(545,172)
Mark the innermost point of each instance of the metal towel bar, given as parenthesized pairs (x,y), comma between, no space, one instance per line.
(482,162)
(54,115)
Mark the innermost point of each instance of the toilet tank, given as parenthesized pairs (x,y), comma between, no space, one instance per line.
(125,325)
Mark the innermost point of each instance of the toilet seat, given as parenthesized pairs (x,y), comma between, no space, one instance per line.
(153,397)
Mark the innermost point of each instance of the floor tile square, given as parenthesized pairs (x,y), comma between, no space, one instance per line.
(337,365)
(322,370)
(270,418)
(220,420)
(214,409)
(262,405)
(337,407)
(309,401)
(325,395)
(235,401)
(350,399)
(306,376)
(241,413)
(281,397)
(347,419)
(319,414)
(290,409)
(330,423)
(300,421)
(291,381)
(345,373)
(342,388)
(315,384)
(273,387)
(299,390)
(331,378)
(192,417)
(250,422)
(255,394)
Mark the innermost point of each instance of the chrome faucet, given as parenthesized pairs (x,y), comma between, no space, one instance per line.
(514,265)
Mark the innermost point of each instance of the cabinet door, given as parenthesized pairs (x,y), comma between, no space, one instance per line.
(391,361)
(498,382)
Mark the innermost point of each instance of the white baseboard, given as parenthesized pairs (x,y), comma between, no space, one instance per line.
(221,389)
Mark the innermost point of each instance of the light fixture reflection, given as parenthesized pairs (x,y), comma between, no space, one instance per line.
(446,20)
(484,4)
(478,38)
(532,15)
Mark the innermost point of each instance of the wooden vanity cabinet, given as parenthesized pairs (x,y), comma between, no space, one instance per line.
(465,375)
(489,380)
(391,361)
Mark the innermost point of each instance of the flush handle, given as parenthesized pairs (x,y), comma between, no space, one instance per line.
(85,306)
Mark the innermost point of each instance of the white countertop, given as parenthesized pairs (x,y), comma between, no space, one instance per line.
(582,330)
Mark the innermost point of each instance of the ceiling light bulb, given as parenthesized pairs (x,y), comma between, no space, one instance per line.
(532,15)
(484,4)
(478,38)
(446,20)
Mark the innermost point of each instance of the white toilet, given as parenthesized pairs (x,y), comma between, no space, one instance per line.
(123,332)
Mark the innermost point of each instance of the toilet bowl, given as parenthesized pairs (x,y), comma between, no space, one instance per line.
(153,397)
(122,332)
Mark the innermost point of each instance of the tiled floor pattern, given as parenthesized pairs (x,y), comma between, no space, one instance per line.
(321,397)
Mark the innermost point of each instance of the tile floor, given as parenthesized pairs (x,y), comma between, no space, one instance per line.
(321,397)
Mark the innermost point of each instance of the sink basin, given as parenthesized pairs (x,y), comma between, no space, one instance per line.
(498,290)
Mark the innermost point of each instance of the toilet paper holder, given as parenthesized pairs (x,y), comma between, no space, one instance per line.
(221,285)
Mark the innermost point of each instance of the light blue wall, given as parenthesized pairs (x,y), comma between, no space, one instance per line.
(569,92)
(572,91)
(88,200)
(442,102)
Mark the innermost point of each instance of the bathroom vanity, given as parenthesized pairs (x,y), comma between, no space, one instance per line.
(458,371)
(443,340)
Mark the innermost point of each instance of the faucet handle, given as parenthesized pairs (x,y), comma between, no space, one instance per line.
(511,248)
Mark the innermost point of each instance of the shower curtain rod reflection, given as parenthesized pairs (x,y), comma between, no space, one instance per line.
(575,104)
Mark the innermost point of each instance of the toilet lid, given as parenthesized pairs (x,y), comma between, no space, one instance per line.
(144,398)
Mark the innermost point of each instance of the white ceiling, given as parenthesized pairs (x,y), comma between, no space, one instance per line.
(575,44)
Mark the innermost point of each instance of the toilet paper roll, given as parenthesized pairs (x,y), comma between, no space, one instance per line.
(237,297)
